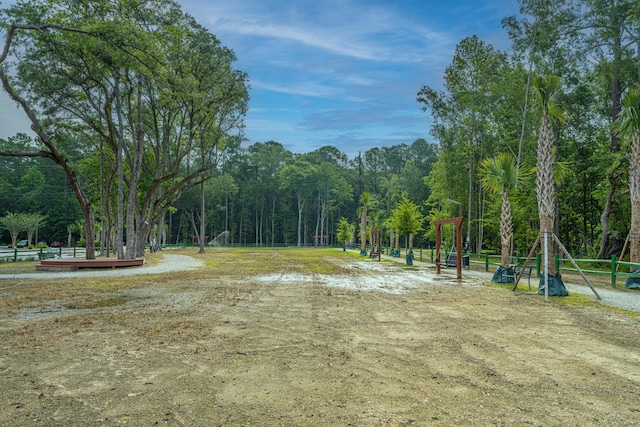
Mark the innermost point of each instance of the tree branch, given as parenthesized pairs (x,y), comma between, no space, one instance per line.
(40,153)
(14,27)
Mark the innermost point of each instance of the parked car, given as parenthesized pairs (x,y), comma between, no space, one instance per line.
(57,245)
(22,243)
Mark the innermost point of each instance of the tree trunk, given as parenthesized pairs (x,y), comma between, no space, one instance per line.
(256,236)
(363,231)
(241,219)
(634,189)
(470,200)
(318,215)
(605,243)
(273,222)
(137,226)
(119,167)
(506,230)
(545,187)
(261,222)
(300,206)
(161,235)
(203,222)
(481,224)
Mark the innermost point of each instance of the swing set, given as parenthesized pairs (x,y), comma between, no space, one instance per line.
(458,224)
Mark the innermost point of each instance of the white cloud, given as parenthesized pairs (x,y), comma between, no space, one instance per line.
(306,88)
(346,28)
(324,40)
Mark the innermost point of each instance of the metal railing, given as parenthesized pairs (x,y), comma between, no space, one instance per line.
(16,254)
(602,267)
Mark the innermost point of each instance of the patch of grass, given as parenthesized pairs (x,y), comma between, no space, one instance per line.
(256,261)
(575,300)
(11,267)
(583,301)
(352,254)
(152,259)
(507,286)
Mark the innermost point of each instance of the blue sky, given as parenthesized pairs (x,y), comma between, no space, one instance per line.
(337,72)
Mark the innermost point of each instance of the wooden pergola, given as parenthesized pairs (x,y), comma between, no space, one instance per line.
(320,241)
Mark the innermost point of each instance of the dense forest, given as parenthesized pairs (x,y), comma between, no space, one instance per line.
(113,156)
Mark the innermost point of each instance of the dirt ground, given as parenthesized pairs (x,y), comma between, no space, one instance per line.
(309,337)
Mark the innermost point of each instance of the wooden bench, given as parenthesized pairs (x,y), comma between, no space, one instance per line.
(62,264)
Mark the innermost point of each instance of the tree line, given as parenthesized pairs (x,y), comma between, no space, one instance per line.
(263,194)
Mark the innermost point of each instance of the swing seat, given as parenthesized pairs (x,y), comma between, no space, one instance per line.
(452,258)
(450,262)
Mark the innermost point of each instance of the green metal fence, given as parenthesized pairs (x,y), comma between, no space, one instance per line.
(604,267)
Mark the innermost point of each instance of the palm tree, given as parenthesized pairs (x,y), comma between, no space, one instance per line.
(365,201)
(628,124)
(546,88)
(499,176)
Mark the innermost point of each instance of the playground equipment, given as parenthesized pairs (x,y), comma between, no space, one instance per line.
(320,241)
(438,225)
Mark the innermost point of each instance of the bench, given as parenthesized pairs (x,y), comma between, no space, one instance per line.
(72,264)
(521,271)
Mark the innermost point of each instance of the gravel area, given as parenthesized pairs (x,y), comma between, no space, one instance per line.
(169,263)
(622,298)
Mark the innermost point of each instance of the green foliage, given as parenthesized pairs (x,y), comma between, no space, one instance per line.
(500,174)
(628,122)
(547,89)
(14,223)
(436,214)
(406,218)
(346,231)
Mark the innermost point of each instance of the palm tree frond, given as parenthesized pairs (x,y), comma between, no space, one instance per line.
(500,174)
(628,121)
(547,88)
